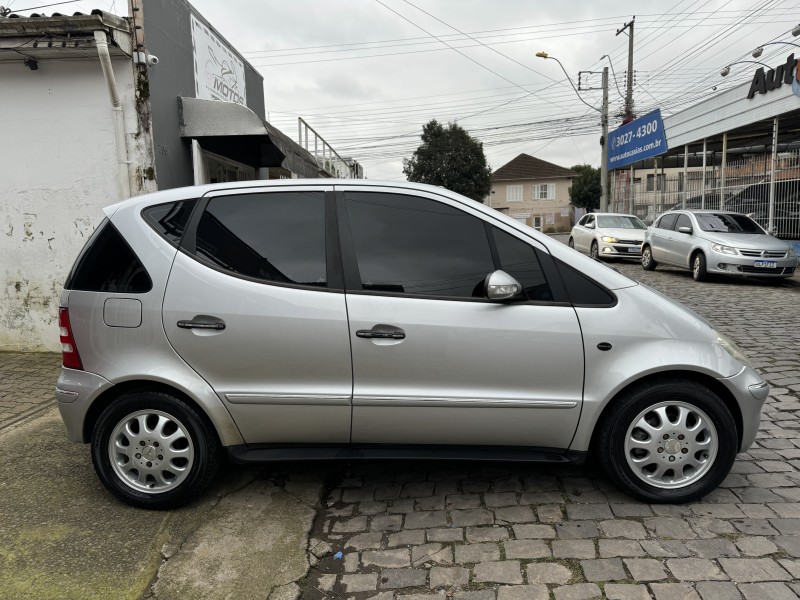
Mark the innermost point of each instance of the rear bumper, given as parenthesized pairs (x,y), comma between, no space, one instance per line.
(750,391)
(75,392)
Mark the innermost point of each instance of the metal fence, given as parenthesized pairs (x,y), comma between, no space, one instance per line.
(742,186)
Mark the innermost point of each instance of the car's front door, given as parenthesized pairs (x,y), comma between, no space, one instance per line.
(436,363)
(587,233)
(680,245)
(256,306)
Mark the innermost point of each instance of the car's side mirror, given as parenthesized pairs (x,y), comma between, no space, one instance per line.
(685,229)
(589,226)
(499,285)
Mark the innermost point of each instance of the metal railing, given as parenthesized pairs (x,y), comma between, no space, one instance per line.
(327,158)
(743,186)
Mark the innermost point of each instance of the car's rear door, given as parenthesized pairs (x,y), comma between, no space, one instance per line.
(433,361)
(255,305)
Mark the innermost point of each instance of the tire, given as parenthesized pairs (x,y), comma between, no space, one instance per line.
(571,243)
(699,272)
(648,262)
(163,475)
(593,251)
(678,473)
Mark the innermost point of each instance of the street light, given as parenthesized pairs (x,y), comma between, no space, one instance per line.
(760,50)
(726,70)
(603,120)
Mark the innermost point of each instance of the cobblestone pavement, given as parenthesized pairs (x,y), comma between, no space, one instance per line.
(27,381)
(509,531)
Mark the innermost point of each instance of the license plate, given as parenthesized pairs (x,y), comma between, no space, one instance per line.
(634,250)
(766,264)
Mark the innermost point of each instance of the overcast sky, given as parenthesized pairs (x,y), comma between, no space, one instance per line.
(367,74)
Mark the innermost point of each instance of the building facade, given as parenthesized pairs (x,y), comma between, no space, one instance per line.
(96,108)
(534,192)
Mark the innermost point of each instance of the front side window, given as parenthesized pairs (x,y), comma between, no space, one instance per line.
(519,260)
(275,236)
(412,245)
(589,220)
(727,223)
(683,221)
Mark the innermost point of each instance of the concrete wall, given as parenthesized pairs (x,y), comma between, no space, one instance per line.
(168,35)
(58,170)
(541,208)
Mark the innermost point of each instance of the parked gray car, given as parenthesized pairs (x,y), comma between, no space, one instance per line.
(712,241)
(352,319)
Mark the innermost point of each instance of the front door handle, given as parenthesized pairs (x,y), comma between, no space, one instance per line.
(218,325)
(387,335)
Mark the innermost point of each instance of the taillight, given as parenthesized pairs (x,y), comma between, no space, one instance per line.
(69,351)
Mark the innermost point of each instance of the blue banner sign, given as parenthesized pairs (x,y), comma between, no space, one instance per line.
(640,139)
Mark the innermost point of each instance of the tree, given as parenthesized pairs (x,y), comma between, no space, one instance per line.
(585,190)
(451,158)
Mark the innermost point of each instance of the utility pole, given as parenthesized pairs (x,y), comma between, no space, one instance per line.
(629,95)
(604,143)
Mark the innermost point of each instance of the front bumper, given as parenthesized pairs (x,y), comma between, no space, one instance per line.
(75,392)
(620,250)
(744,266)
(750,391)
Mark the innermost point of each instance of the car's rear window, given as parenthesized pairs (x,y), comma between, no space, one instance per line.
(727,223)
(107,264)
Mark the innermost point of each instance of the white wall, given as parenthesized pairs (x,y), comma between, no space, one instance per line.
(58,169)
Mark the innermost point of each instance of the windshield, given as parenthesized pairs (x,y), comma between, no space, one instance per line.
(727,223)
(620,222)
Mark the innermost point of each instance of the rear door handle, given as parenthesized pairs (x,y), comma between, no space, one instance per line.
(387,335)
(218,325)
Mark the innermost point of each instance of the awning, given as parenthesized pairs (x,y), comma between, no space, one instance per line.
(235,131)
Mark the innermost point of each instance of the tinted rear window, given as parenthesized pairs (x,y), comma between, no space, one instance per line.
(107,264)
(274,236)
(170,219)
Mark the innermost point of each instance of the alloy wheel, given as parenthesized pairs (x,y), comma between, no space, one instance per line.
(151,451)
(671,444)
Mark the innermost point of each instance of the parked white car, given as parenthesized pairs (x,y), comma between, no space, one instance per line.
(608,235)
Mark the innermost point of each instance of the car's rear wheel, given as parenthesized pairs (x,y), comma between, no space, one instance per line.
(571,243)
(153,450)
(594,252)
(648,264)
(699,272)
(668,441)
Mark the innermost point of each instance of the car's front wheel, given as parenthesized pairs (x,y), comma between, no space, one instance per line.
(648,264)
(153,450)
(594,252)
(668,441)
(571,243)
(699,272)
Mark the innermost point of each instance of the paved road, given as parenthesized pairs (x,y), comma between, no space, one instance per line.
(414,530)
(495,531)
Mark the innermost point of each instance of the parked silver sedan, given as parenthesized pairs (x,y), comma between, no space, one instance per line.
(326,319)
(709,241)
(608,235)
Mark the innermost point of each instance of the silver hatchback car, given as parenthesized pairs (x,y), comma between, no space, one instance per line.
(353,319)
(718,242)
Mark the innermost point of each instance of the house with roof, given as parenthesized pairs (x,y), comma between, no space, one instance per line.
(534,192)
